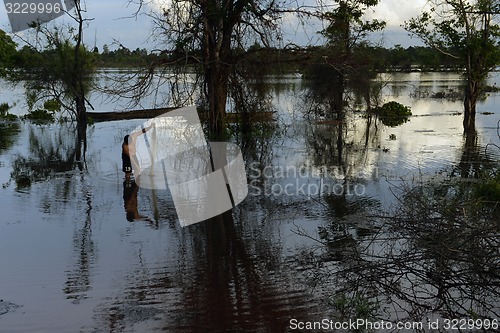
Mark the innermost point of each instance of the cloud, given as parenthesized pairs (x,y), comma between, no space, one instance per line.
(396,12)
(158,5)
(110,22)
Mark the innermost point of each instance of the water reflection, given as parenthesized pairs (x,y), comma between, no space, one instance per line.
(130,189)
(433,258)
(52,149)
(79,277)
(72,260)
(475,160)
(8,135)
(239,289)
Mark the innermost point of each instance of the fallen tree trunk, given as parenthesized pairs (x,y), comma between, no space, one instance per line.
(123,115)
(152,113)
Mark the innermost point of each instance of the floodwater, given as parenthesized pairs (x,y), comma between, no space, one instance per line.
(82,250)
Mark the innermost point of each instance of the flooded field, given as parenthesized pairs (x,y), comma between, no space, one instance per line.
(83,250)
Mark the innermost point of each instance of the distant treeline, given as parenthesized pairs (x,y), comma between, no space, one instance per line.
(412,58)
(281,60)
(382,59)
(377,58)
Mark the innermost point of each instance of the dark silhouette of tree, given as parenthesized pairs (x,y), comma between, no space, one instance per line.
(213,38)
(57,67)
(345,58)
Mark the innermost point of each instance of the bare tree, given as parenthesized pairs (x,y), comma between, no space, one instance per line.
(211,39)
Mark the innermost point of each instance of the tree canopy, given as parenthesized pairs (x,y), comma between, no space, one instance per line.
(7,52)
(346,59)
(54,72)
(468,31)
(215,37)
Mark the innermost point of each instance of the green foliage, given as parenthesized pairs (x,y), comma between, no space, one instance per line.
(464,30)
(488,190)
(57,70)
(491,89)
(4,114)
(31,99)
(52,105)
(7,53)
(4,107)
(123,57)
(63,72)
(40,116)
(346,27)
(346,59)
(355,306)
(393,113)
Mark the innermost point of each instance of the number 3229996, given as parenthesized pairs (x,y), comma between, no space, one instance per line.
(470,324)
(32,8)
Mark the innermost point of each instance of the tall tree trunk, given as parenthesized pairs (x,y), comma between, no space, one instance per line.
(78,85)
(470,101)
(81,110)
(337,97)
(216,51)
(79,92)
(217,97)
(81,145)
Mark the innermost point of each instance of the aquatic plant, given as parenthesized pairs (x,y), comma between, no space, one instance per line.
(40,116)
(489,190)
(393,113)
(435,253)
(4,114)
(45,114)
(356,305)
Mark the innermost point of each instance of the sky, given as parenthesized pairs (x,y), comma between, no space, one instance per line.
(113,21)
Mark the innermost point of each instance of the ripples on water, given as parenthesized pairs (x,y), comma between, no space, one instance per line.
(73,262)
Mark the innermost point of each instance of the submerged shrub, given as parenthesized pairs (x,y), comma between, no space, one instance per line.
(52,105)
(40,115)
(4,107)
(489,190)
(45,114)
(4,114)
(393,113)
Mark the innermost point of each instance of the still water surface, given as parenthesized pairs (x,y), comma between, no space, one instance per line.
(72,261)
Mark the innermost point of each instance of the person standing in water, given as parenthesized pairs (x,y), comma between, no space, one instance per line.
(129,159)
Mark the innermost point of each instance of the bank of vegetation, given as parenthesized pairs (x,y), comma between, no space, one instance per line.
(287,60)
(214,42)
(398,58)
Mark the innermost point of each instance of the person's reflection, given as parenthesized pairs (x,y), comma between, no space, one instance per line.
(130,190)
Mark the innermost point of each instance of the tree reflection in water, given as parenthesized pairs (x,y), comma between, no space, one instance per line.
(52,149)
(56,154)
(79,278)
(436,255)
(8,135)
(247,270)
